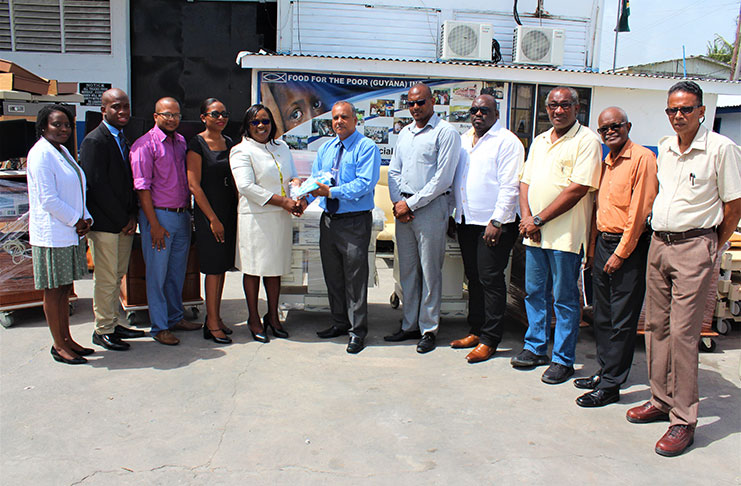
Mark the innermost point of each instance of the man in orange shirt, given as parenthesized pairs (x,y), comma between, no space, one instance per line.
(618,249)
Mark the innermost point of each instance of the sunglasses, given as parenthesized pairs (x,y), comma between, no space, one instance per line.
(614,127)
(554,106)
(475,109)
(170,116)
(686,110)
(264,121)
(417,102)
(217,114)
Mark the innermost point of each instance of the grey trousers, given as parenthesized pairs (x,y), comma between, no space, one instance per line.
(421,251)
(343,245)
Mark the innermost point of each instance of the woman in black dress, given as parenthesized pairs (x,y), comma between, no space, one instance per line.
(212,186)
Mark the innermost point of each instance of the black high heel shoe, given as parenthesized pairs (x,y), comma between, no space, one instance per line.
(279,333)
(222,326)
(58,357)
(261,337)
(207,334)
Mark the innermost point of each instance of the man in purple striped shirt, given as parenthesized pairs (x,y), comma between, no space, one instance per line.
(158,167)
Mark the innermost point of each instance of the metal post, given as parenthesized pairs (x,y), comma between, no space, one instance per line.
(617,24)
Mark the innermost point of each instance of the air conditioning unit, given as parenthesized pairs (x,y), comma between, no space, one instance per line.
(465,40)
(538,45)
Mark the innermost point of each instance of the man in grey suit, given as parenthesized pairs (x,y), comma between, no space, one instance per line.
(420,179)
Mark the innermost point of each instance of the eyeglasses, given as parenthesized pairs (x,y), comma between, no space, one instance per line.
(411,103)
(170,116)
(475,109)
(565,105)
(686,110)
(217,114)
(264,121)
(614,127)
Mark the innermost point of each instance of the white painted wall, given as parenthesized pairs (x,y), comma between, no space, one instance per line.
(730,126)
(114,68)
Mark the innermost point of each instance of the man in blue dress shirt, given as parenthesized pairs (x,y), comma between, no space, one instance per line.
(345,225)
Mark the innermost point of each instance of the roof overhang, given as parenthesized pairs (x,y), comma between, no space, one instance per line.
(471,70)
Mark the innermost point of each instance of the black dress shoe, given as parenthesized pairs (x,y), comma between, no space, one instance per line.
(402,335)
(110,341)
(61,359)
(426,344)
(126,333)
(599,398)
(355,345)
(588,383)
(331,332)
(207,334)
(279,333)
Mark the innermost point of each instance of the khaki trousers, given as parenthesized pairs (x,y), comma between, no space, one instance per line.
(111,253)
(677,284)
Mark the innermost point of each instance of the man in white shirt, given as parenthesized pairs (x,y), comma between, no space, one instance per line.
(486,188)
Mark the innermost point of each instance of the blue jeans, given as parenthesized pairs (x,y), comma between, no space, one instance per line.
(165,268)
(551,276)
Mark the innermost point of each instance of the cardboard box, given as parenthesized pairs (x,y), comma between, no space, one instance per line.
(10,81)
(13,68)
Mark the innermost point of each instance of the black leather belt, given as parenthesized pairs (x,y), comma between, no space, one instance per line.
(172,210)
(611,236)
(670,237)
(346,215)
(408,195)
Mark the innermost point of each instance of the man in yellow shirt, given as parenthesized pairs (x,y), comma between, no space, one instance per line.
(563,167)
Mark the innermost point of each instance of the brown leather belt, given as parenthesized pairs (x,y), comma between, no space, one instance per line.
(670,237)
(172,210)
(612,237)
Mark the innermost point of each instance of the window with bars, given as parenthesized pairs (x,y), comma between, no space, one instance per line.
(79,26)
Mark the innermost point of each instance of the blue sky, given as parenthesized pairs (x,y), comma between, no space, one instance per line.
(658,29)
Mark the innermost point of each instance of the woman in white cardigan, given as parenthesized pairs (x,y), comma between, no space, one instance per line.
(263,171)
(58,221)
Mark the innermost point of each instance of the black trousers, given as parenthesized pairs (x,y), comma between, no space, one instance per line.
(343,245)
(618,299)
(487,290)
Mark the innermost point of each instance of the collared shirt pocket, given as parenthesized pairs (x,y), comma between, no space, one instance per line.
(562,169)
(619,192)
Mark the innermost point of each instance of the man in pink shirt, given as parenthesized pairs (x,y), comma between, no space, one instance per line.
(158,167)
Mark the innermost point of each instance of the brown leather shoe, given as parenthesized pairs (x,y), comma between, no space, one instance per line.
(646,413)
(676,440)
(469,341)
(482,352)
(166,337)
(184,325)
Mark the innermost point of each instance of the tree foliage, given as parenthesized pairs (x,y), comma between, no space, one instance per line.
(720,49)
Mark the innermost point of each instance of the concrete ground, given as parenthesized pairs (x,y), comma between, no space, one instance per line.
(303,411)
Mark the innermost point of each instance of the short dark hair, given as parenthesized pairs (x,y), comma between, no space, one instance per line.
(42,119)
(690,87)
(206,103)
(250,115)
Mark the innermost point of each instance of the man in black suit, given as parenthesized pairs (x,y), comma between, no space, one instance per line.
(104,156)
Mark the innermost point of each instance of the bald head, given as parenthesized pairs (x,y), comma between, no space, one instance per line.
(421,106)
(167,115)
(614,112)
(614,128)
(115,106)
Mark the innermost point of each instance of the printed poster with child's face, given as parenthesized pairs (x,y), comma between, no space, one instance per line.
(301,104)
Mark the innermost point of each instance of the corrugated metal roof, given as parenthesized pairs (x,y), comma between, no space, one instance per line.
(484,63)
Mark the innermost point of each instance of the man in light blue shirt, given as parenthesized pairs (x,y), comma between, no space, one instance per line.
(345,226)
(420,179)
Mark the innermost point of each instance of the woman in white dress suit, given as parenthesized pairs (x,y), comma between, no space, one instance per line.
(263,171)
(57,223)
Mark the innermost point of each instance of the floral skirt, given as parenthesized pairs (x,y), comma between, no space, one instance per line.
(54,267)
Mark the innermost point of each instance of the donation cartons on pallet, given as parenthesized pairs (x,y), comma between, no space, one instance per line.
(728,302)
(304,287)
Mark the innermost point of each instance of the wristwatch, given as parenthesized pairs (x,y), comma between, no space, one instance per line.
(495,223)
(537,221)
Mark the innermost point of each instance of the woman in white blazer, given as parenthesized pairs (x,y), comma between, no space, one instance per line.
(263,171)
(58,222)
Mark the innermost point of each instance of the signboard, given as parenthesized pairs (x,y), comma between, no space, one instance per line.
(301,104)
(92,92)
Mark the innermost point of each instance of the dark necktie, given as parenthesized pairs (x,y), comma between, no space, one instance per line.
(333,204)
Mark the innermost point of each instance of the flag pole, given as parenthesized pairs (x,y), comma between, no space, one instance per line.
(617,23)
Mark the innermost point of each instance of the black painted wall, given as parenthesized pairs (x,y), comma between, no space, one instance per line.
(188,50)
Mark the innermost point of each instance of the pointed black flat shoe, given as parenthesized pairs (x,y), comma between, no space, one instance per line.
(207,334)
(61,359)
